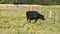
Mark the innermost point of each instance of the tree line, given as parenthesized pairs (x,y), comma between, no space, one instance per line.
(40,2)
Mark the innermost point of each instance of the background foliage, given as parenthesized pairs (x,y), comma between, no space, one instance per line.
(42,2)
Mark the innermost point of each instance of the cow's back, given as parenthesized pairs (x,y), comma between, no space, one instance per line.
(31,14)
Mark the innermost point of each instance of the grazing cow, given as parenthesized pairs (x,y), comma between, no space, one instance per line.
(34,15)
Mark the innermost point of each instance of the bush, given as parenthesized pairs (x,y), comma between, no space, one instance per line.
(40,2)
(6,1)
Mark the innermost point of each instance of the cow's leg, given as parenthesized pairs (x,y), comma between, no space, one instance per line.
(29,20)
(35,20)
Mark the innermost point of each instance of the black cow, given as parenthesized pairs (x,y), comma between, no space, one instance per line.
(34,15)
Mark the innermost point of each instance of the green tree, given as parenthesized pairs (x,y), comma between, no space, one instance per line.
(40,2)
(8,1)
(1,1)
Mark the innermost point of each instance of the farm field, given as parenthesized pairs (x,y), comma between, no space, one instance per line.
(13,19)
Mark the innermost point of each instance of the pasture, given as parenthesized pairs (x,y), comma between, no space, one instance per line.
(13,19)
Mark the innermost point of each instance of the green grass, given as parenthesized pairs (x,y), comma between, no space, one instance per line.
(13,20)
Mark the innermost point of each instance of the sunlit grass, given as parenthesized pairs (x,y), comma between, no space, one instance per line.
(13,20)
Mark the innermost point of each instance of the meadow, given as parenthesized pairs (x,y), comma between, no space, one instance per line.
(13,19)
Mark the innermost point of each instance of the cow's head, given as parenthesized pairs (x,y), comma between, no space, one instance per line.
(41,17)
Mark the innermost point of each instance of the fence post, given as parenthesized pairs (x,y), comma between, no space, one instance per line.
(59,18)
(54,16)
(50,14)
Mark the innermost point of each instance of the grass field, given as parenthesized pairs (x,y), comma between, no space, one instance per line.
(13,19)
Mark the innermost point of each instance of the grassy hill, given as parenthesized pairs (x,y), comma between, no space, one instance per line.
(13,19)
